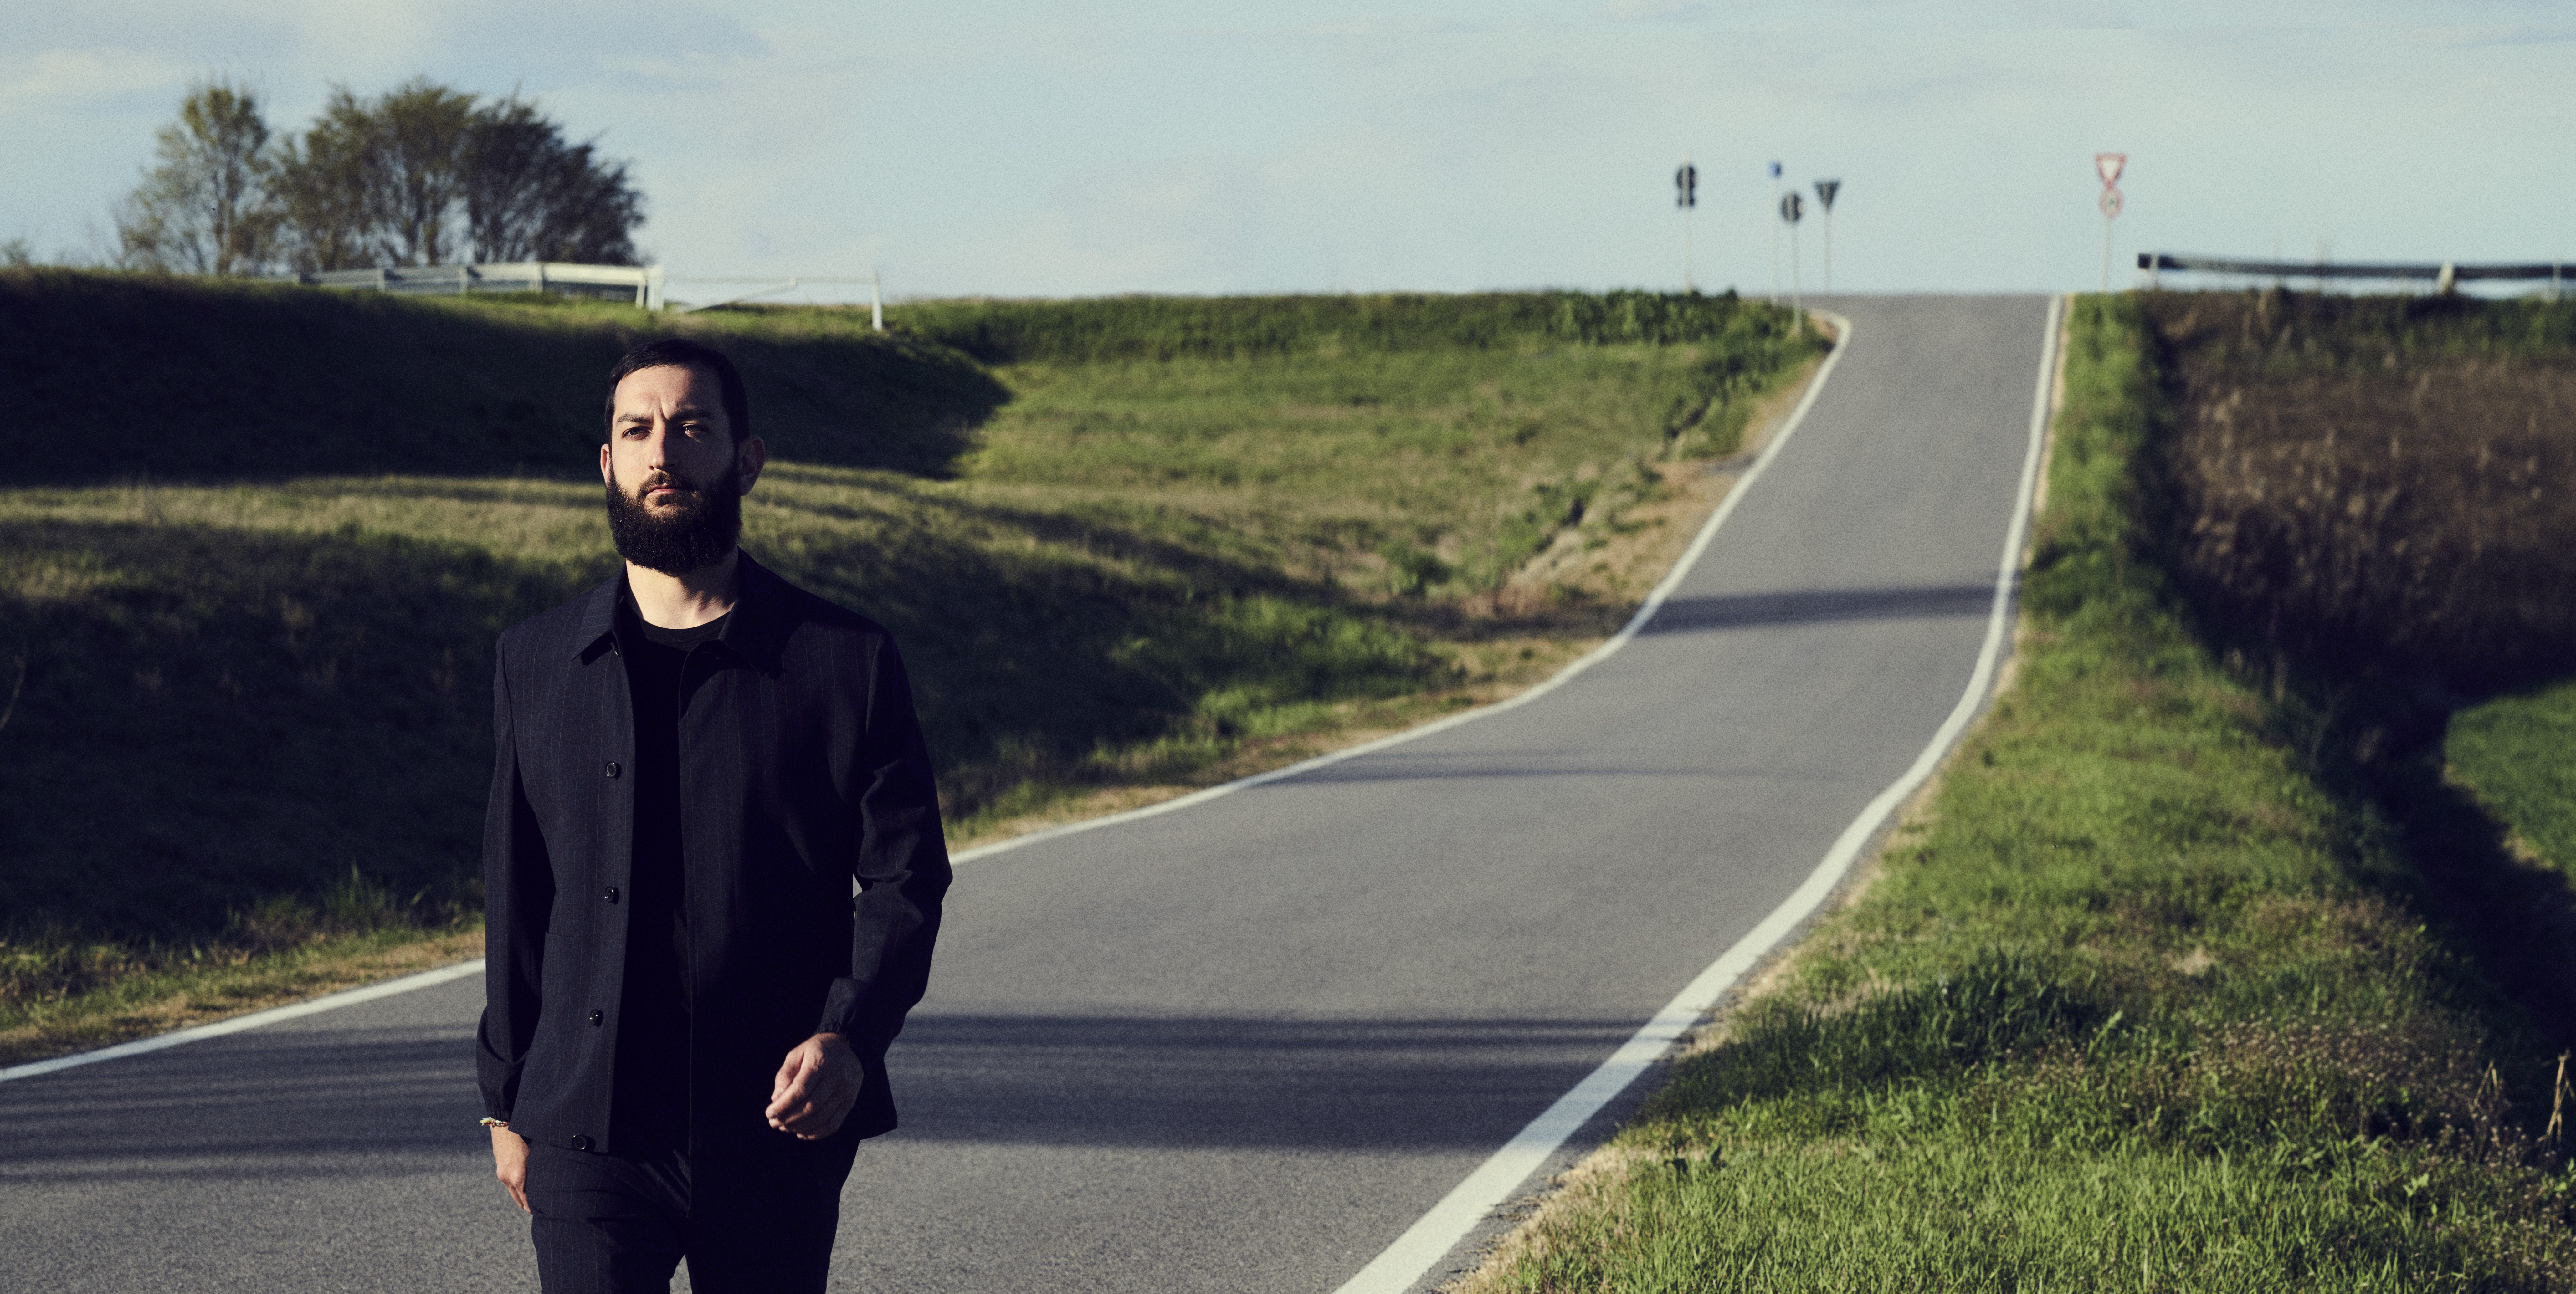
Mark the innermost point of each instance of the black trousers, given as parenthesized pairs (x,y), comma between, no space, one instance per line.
(613,1224)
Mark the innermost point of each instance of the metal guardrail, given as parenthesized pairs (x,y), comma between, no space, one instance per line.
(773,284)
(641,284)
(2441,274)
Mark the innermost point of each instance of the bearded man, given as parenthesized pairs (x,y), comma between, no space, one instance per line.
(713,872)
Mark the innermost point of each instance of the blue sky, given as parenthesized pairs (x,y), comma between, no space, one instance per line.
(1020,149)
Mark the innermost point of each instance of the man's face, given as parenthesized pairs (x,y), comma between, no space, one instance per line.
(674,473)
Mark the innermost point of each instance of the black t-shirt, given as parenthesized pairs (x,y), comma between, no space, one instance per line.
(651,1106)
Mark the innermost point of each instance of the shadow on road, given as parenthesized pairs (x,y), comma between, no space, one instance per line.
(1218,1082)
(1750,610)
(258,1105)
(306,1103)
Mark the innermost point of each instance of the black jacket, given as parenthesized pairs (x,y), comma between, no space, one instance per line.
(803,768)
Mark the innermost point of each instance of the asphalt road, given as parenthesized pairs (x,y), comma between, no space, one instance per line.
(1237,1047)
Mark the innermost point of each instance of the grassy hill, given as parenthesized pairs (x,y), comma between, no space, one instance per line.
(255,543)
(134,377)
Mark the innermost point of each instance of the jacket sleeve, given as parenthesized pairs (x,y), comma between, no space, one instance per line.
(901,866)
(518,901)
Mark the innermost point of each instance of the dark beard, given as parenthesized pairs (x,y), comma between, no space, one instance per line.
(705,527)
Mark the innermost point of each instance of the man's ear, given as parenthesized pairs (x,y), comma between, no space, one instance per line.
(748,458)
(607,474)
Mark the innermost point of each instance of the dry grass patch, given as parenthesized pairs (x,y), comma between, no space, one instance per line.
(2375,486)
(158,1002)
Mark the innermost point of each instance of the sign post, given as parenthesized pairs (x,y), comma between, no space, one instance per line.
(1825,191)
(2109,166)
(1775,238)
(1686,196)
(1792,206)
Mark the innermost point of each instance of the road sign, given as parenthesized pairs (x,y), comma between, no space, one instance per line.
(1775,237)
(1792,207)
(1825,191)
(1686,197)
(2109,166)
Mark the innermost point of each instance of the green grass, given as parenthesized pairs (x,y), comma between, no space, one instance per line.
(2518,754)
(1945,1215)
(2138,1003)
(1471,458)
(1129,328)
(255,544)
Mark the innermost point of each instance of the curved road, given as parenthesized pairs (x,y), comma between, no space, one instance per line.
(1240,1046)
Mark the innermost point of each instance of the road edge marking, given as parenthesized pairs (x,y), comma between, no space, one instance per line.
(199,1033)
(1402,1264)
(1645,612)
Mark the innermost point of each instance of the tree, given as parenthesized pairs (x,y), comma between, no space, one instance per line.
(206,207)
(423,173)
(325,187)
(421,129)
(531,196)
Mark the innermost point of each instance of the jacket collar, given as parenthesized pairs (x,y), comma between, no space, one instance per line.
(754,630)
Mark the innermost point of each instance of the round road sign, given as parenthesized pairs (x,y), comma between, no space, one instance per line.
(2110,203)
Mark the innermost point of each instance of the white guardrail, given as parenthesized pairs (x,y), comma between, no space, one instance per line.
(642,284)
(2443,275)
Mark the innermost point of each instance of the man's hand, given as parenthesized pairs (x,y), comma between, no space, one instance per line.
(510,1164)
(815,1088)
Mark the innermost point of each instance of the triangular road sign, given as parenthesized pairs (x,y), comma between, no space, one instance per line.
(1826,189)
(2109,165)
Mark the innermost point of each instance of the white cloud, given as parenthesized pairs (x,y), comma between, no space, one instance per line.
(61,78)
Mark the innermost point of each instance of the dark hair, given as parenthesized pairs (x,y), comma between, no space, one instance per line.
(682,353)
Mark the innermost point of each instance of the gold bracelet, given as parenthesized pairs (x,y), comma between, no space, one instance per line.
(490,1122)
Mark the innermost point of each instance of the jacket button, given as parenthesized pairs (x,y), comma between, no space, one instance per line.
(611,770)
(611,895)
(596,1017)
(581,1143)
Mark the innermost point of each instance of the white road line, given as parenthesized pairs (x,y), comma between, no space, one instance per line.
(1646,612)
(254,1020)
(1430,1239)
(1654,602)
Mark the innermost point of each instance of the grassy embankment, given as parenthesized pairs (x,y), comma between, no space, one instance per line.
(2137,999)
(255,544)
(2369,509)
